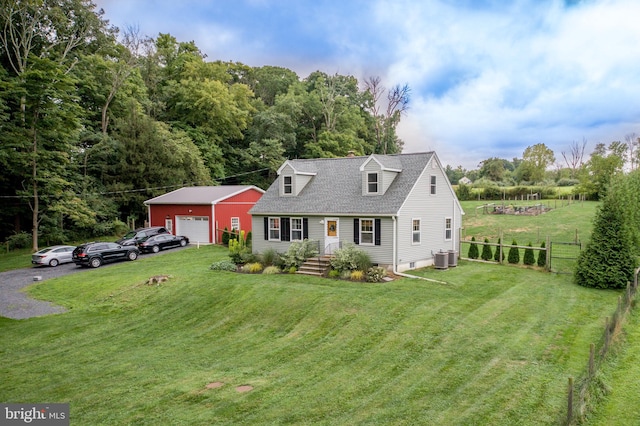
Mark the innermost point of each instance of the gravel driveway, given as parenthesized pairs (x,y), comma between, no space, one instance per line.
(16,304)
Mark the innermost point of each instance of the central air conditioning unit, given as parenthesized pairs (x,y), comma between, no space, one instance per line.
(441,260)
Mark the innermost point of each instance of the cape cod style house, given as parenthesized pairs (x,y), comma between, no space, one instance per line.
(401,209)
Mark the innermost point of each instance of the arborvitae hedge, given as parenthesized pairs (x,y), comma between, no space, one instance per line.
(529,258)
(514,254)
(473,249)
(486,251)
(226,236)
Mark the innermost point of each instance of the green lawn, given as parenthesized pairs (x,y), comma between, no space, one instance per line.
(562,223)
(621,406)
(494,345)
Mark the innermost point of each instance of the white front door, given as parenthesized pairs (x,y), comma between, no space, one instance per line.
(331,235)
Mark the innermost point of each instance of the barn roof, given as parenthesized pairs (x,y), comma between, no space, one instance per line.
(201,194)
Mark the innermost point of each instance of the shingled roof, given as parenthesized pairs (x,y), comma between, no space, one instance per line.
(336,187)
(200,194)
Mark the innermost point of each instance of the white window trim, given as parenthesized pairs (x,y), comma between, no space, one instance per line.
(433,186)
(448,229)
(373,232)
(285,185)
(301,229)
(377,182)
(419,231)
(279,228)
(237,219)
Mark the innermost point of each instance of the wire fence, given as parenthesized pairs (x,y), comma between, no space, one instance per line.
(580,392)
(557,256)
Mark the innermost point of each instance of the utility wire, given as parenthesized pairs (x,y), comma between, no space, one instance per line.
(128,191)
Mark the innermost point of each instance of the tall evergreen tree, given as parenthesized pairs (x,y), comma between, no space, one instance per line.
(609,258)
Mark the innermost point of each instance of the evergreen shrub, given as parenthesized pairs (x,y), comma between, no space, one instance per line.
(514,253)
(473,249)
(542,256)
(529,258)
(486,251)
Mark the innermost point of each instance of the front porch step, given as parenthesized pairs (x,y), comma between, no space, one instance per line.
(317,266)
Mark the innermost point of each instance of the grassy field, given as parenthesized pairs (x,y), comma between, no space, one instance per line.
(492,346)
(562,223)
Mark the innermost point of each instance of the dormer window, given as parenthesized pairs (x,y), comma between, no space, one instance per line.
(372,183)
(288,185)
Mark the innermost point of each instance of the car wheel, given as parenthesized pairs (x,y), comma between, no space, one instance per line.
(95,262)
(53,262)
(132,255)
(155,249)
(183,243)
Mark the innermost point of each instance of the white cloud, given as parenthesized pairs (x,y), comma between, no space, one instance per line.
(538,72)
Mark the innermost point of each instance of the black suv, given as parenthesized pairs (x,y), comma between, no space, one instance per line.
(95,254)
(131,238)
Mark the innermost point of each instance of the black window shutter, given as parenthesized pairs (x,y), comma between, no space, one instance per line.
(356,231)
(285,229)
(305,228)
(378,232)
(266,228)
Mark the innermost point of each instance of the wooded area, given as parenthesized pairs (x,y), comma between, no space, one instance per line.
(94,120)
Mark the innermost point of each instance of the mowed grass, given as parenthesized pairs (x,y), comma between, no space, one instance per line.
(492,345)
(563,223)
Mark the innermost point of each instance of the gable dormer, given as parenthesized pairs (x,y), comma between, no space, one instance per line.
(293,179)
(378,173)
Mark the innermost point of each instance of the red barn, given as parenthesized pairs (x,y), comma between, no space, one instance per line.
(202,212)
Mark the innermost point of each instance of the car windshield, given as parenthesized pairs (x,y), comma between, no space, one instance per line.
(130,234)
(43,251)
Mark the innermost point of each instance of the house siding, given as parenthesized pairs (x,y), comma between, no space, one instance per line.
(380,254)
(432,210)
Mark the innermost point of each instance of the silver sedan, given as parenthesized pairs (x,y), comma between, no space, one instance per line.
(53,256)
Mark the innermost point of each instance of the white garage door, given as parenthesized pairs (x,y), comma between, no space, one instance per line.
(196,228)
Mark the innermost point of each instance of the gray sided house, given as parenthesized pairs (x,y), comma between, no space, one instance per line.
(400,209)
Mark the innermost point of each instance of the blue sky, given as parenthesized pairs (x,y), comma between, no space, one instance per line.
(488,77)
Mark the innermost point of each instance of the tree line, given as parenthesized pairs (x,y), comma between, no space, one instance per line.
(589,176)
(94,120)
